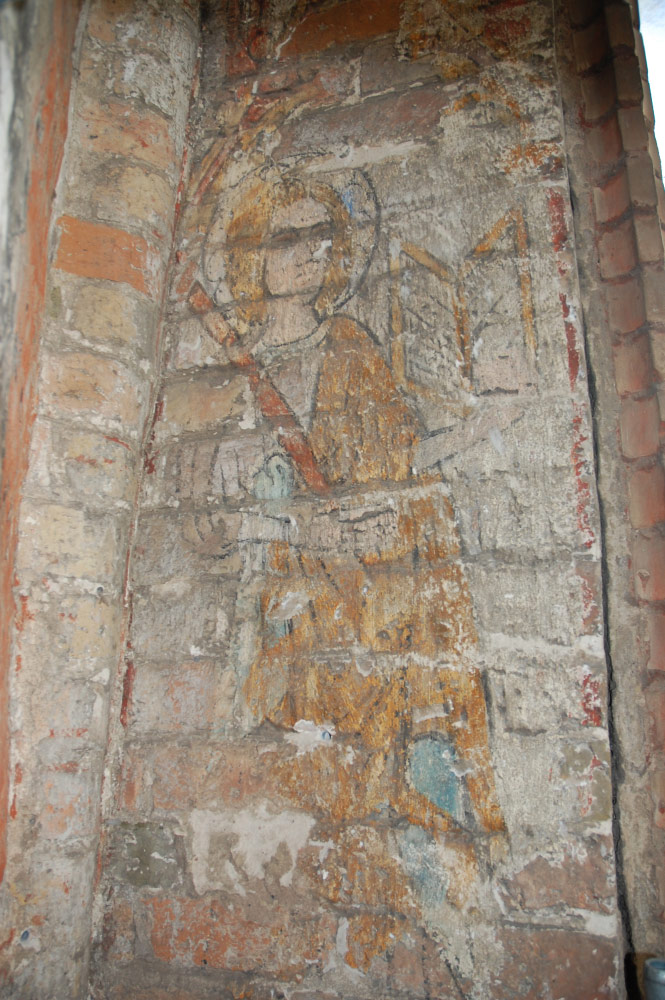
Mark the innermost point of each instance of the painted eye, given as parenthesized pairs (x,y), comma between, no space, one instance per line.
(325,735)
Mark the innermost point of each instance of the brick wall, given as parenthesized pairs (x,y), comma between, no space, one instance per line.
(617,181)
(100,343)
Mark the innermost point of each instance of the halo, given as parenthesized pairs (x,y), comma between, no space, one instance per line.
(232,258)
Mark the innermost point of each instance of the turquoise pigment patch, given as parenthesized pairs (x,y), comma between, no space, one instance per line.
(431,771)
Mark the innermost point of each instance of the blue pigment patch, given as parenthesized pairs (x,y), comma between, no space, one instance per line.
(275,480)
(431,772)
(423,865)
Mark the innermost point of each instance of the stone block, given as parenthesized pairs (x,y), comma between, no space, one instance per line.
(582,881)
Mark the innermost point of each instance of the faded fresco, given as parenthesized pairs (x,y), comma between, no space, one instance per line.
(365,637)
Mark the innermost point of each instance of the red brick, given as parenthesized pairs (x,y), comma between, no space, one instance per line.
(633,368)
(612,199)
(351,21)
(197,932)
(617,251)
(556,963)
(599,93)
(646,491)
(91,250)
(626,306)
(656,624)
(393,117)
(639,425)
(583,884)
(590,44)
(121,129)
(649,567)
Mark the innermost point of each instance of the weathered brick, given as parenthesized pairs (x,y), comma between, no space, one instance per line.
(617,251)
(206,403)
(103,312)
(641,181)
(582,12)
(133,195)
(599,93)
(649,238)
(612,199)
(350,21)
(657,340)
(389,118)
(646,491)
(653,283)
(604,141)
(625,301)
(649,568)
(656,624)
(633,368)
(633,129)
(639,425)
(658,793)
(68,463)
(561,963)
(590,44)
(96,251)
(628,78)
(619,25)
(194,695)
(194,932)
(67,542)
(585,883)
(81,631)
(121,129)
(83,384)
(146,855)
(118,930)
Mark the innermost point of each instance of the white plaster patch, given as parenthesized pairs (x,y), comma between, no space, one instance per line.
(307,736)
(252,836)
